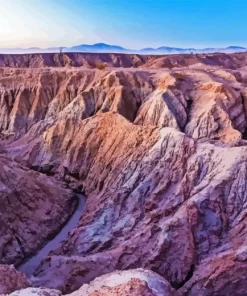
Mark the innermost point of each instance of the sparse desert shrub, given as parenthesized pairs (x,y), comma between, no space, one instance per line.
(100,66)
(179,76)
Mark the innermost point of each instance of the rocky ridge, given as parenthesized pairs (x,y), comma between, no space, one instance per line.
(116,60)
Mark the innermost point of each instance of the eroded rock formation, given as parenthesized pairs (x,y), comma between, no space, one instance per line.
(132,282)
(160,151)
(122,283)
(32,207)
(11,280)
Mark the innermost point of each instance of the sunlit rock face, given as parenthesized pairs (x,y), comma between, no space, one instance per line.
(134,282)
(160,152)
(130,282)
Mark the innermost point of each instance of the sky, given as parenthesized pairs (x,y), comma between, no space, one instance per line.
(133,24)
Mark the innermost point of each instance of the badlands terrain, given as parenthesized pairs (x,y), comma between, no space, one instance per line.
(157,144)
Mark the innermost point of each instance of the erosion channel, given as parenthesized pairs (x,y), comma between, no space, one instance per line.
(31,264)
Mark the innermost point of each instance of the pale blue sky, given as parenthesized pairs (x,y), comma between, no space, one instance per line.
(131,24)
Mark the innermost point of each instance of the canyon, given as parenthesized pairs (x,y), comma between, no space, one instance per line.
(157,144)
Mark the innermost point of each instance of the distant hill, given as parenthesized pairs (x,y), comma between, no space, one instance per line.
(98,47)
(103,48)
(174,50)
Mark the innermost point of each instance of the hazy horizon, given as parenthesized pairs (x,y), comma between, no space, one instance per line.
(199,48)
(133,25)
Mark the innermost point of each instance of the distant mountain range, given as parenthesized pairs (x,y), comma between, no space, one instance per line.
(103,48)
